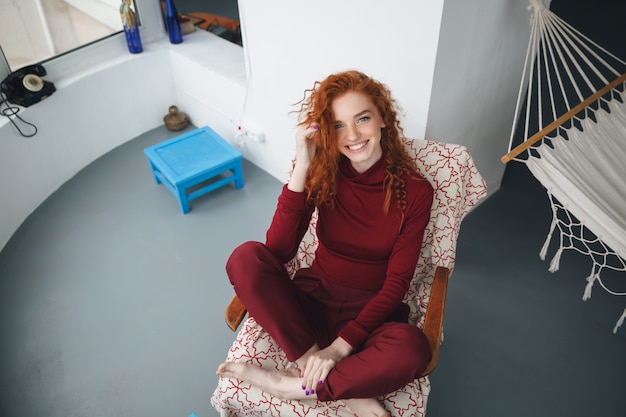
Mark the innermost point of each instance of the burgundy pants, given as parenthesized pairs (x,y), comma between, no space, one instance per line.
(306,310)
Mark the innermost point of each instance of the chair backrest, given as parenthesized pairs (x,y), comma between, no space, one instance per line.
(458,187)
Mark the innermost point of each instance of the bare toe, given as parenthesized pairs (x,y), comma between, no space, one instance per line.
(230,370)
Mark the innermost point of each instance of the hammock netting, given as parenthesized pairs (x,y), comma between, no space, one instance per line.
(573,114)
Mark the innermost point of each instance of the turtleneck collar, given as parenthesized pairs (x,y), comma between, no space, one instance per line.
(374,175)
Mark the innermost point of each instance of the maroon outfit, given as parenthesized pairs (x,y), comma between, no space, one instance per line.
(354,288)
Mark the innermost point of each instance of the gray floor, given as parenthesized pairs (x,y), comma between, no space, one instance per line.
(111,303)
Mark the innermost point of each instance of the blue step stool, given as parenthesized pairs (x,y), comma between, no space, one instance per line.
(195,163)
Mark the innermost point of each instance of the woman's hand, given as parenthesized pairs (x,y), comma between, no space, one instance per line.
(320,363)
(305,151)
(305,144)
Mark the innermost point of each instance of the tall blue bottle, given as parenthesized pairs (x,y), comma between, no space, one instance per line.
(172,23)
(133,40)
(131,27)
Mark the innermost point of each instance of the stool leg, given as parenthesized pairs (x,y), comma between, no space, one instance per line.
(238,172)
(183,202)
(154,173)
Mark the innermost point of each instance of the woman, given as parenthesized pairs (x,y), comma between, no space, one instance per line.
(341,321)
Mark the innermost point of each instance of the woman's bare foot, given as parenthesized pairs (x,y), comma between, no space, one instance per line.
(366,407)
(286,385)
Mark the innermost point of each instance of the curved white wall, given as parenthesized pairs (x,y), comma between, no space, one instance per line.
(76,125)
(104,106)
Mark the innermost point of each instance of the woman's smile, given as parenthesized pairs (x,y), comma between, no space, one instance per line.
(356,118)
(358,146)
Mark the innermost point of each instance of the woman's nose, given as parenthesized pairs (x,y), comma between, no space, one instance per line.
(352,133)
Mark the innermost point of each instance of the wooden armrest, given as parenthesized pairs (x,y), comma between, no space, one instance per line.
(235,312)
(433,322)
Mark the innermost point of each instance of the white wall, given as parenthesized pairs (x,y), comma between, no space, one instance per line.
(395,42)
(480,59)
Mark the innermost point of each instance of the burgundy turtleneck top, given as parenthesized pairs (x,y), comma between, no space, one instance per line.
(359,245)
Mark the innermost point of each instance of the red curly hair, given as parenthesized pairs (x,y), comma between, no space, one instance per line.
(315,108)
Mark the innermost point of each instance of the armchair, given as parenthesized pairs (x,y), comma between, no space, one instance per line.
(458,187)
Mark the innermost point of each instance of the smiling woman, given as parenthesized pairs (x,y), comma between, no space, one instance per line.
(32,31)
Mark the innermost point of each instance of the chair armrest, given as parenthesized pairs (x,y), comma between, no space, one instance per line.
(433,322)
(235,312)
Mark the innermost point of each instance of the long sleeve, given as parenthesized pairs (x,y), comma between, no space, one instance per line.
(290,222)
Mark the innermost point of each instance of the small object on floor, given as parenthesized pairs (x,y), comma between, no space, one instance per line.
(195,163)
(175,119)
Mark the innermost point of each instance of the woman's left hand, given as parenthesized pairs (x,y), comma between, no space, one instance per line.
(319,364)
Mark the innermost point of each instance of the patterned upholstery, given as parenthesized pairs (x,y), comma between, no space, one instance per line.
(458,186)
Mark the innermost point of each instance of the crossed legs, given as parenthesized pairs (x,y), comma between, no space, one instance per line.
(264,287)
(382,366)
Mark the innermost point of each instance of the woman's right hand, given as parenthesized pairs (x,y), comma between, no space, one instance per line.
(305,144)
(319,364)
(305,151)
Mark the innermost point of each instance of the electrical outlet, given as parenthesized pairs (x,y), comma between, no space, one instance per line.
(244,133)
(256,136)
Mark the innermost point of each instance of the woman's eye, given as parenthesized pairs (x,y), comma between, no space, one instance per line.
(363,119)
(338,125)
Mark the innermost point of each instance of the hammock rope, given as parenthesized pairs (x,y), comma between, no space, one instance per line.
(577,156)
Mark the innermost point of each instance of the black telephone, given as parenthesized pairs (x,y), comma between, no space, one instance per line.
(25,87)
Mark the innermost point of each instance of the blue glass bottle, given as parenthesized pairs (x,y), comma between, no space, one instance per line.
(131,27)
(172,23)
(133,40)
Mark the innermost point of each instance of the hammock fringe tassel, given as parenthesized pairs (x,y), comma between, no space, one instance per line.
(556,260)
(546,244)
(591,279)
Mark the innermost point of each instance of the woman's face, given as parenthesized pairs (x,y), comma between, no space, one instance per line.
(358,124)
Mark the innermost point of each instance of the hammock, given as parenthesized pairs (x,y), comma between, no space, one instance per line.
(578,152)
